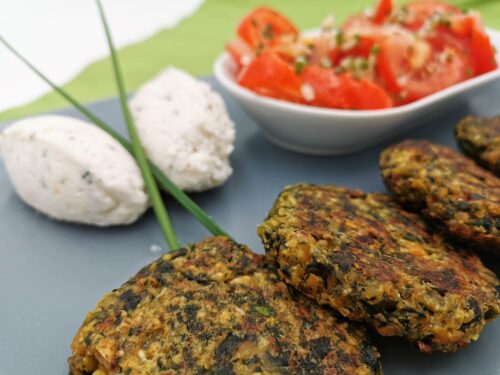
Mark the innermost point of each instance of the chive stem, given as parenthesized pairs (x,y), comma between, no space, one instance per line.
(162,179)
(153,191)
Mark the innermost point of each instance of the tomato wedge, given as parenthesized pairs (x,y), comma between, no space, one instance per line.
(264,26)
(325,85)
(343,91)
(240,52)
(382,11)
(483,53)
(269,75)
(416,14)
(362,48)
(365,35)
(467,33)
(413,69)
(460,25)
(363,94)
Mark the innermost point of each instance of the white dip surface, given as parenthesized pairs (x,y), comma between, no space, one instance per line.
(73,171)
(185,129)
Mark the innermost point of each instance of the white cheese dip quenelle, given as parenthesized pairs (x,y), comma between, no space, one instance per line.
(185,129)
(73,171)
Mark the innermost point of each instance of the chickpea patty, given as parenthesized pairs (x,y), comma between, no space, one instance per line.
(448,188)
(214,308)
(370,260)
(479,138)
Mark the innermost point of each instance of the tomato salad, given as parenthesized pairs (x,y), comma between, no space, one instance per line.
(385,57)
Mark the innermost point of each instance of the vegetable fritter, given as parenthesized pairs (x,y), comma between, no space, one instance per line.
(448,188)
(214,308)
(366,257)
(480,139)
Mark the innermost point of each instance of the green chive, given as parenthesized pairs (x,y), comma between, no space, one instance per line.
(300,64)
(339,70)
(339,37)
(153,191)
(375,50)
(162,179)
(267,32)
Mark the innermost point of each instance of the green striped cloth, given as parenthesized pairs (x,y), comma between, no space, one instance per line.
(195,43)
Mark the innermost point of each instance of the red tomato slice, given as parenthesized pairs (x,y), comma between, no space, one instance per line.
(325,85)
(382,12)
(362,48)
(414,69)
(264,26)
(343,91)
(269,75)
(365,35)
(240,51)
(460,25)
(363,94)
(483,53)
(466,33)
(415,15)
(358,22)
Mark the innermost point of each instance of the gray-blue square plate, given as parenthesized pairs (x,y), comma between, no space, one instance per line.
(52,274)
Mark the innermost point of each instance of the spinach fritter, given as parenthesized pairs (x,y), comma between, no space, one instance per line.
(214,308)
(448,188)
(370,260)
(479,138)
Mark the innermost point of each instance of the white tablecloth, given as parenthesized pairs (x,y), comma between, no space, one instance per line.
(62,37)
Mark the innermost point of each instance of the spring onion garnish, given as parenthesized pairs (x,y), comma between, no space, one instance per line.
(153,191)
(162,179)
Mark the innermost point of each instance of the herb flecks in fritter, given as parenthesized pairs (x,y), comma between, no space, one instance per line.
(479,138)
(448,188)
(366,257)
(215,308)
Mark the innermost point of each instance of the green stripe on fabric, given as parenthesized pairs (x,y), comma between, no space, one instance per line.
(195,43)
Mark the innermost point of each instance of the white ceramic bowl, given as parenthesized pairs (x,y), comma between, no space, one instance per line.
(321,131)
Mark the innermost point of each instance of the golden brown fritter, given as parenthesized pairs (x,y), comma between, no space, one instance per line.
(448,188)
(366,257)
(214,308)
(479,137)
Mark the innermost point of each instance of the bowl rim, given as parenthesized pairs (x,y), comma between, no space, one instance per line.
(228,82)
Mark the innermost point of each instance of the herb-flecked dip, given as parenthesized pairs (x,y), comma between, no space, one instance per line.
(214,308)
(479,138)
(370,260)
(448,188)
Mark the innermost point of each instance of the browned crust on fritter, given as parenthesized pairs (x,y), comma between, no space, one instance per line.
(479,137)
(214,308)
(366,257)
(448,188)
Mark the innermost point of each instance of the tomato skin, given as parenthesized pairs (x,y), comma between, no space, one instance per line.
(419,12)
(466,32)
(363,94)
(362,49)
(392,61)
(264,26)
(442,64)
(461,25)
(344,91)
(382,12)
(268,75)
(483,53)
(325,84)
(239,51)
